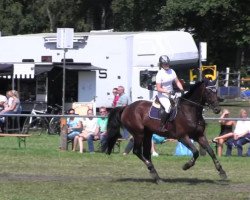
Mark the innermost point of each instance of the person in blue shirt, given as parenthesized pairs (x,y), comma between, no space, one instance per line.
(74,125)
(123,98)
(101,133)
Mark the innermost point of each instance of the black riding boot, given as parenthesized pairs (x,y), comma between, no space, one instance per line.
(164,118)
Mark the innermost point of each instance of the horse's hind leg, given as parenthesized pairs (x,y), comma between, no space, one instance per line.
(204,144)
(188,143)
(145,155)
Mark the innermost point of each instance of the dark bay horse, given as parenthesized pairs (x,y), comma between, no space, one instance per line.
(188,124)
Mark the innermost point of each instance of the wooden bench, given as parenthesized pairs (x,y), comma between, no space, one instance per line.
(21,138)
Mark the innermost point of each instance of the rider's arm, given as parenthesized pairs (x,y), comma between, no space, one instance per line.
(178,83)
(160,89)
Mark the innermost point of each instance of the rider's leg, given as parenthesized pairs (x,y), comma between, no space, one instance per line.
(165,114)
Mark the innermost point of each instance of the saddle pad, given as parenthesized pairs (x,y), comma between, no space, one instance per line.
(154,113)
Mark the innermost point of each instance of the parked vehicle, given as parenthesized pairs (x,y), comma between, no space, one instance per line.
(102,60)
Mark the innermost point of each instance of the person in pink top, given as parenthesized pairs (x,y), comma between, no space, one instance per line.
(116,97)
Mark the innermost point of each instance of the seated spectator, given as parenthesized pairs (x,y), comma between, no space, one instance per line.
(242,141)
(74,125)
(156,139)
(129,146)
(102,123)
(89,129)
(13,106)
(242,129)
(248,151)
(226,127)
(3,103)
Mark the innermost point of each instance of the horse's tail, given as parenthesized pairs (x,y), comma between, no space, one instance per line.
(113,129)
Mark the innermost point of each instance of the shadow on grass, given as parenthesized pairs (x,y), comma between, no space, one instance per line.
(191,181)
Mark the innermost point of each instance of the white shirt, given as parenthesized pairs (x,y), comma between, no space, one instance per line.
(165,78)
(90,124)
(242,127)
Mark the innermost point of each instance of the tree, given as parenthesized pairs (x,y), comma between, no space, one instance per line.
(224,24)
(10,16)
(129,15)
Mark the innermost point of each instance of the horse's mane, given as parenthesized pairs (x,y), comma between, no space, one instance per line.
(192,89)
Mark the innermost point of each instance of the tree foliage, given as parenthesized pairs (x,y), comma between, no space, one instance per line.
(224,25)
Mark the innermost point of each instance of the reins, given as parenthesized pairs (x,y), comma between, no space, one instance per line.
(193,102)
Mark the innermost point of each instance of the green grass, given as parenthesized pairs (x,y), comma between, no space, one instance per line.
(41,171)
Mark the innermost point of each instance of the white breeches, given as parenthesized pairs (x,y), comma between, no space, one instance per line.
(165,102)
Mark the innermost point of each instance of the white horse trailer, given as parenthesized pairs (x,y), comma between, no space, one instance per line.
(98,62)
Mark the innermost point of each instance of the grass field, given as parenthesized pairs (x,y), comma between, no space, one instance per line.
(41,171)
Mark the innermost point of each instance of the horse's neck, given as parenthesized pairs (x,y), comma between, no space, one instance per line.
(197,95)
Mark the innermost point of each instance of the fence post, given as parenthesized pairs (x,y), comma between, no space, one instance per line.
(63,134)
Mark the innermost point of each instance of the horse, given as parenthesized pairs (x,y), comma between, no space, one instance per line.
(188,124)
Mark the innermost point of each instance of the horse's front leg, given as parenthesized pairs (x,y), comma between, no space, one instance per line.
(144,153)
(205,145)
(188,143)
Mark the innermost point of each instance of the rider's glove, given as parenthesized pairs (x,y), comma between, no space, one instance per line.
(172,93)
(182,92)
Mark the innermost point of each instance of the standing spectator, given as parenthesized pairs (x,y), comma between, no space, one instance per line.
(123,101)
(102,123)
(116,97)
(90,128)
(74,125)
(226,127)
(123,98)
(242,129)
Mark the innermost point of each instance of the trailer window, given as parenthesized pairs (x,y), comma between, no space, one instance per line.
(147,79)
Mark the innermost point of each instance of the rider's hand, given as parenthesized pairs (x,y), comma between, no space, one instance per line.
(172,93)
(182,92)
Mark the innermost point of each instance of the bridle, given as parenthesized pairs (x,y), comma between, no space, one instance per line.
(212,88)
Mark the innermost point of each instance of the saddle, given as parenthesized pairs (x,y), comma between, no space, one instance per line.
(156,109)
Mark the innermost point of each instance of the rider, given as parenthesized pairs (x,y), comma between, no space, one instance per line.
(164,85)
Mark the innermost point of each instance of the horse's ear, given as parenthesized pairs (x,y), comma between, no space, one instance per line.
(214,81)
(210,82)
(206,81)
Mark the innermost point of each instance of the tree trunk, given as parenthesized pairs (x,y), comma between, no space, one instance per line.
(63,134)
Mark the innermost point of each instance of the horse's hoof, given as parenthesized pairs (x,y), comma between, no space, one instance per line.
(186,166)
(158,181)
(223,175)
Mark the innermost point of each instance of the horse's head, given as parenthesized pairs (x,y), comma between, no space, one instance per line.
(210,95)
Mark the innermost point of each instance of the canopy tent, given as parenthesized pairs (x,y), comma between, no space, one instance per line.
(29,70)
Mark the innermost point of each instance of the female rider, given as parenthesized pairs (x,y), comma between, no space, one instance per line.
(164,85)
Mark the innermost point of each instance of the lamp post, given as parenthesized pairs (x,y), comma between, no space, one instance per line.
(64,41)
(202,56)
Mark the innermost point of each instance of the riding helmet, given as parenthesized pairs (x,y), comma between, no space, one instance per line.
(164,60)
